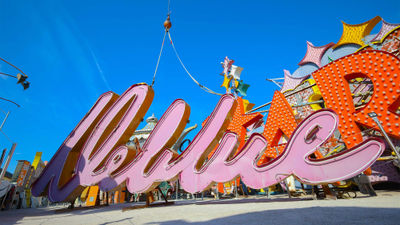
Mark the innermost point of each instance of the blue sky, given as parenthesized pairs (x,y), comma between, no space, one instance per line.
(73,51)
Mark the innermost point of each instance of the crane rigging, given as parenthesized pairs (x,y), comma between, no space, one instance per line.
(167,26)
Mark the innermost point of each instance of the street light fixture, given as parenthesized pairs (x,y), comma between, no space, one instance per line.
(22,80)
(21,77)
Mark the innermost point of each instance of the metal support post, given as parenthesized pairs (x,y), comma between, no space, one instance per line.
(376,120)
(2,156)
(10,154)
(236,191)
(2,124)
(177,190)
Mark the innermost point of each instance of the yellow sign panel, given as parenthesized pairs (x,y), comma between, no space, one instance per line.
(36,161)
(92,196)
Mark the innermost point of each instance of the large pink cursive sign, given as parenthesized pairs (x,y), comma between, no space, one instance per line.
(95,151)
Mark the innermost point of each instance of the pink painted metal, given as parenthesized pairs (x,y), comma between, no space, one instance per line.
(291,82)
(385,29)
(227,65)
(133,98)
(314,54)
(294,160)
(88,168)
(165,167)
(104,161)
(52,172)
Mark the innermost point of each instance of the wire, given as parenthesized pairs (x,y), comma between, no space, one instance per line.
(9,101)
(6,74)
(184,67)
(158,61)
(6,136)
(13,66)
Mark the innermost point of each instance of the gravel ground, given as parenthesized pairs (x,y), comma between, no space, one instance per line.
(383,209)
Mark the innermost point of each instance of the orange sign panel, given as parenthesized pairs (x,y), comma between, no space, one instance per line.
(383,69)
(21,178)
(280,123)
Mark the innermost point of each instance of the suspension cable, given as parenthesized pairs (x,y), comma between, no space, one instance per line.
(158,61)
(167,26)
(190,75)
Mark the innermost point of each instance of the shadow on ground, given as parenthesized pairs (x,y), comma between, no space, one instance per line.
(306,216)
(298,216)
(250,200)
(38,214)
